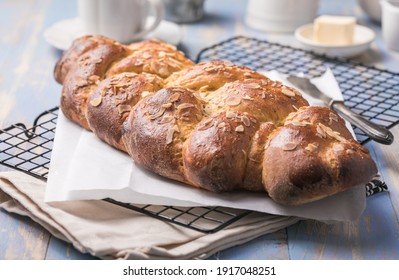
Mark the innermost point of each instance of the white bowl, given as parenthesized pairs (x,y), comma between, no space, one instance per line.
(363,37)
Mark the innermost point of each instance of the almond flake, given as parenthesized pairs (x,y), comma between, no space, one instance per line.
(209,68)
(320,131)
(328,130)
(245,120)
(338,148)
(157,114)
(166,119)
(82,83)
(94,78)
(332,133)
(146,56)
(145,93)
(333,116)
(293,106)
(174,97)
(203,88)
(164,71)
(228,63)
(174,63)
(233,101)
(206,124)
(252,85)
(297,123)
(129,74)
(167,105)
(222,124)
(96,101)
(230,115)
(239,128)
(311,147)
(350,151)
(117,87)
(185,106)
(169,135)
(176,128)
(123,108)
(289,146)
(339,138)
(288,92)
(246,97)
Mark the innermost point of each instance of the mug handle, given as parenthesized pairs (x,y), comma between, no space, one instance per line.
(158,8)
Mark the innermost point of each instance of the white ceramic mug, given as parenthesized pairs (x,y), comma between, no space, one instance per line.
(372,8)
(280,15)
(390,24)
(122,20)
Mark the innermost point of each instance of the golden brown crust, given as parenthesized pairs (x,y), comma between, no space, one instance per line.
(82,78)
(111,102)
(257,97)
(253,172)
(209,76)
(308,158)
(157,128)
(77,49)
(213,125)
(215,155)
(153,57)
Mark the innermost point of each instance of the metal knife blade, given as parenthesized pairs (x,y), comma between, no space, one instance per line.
(305,85)
(377,133)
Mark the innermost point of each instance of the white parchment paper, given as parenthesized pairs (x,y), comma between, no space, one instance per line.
(83,167)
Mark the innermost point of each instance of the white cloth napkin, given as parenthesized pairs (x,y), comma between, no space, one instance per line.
(109,231)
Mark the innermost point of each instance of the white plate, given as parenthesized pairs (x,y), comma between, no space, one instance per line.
(363,37)
(62,33)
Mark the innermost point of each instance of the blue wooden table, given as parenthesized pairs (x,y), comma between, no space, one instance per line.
(27,88)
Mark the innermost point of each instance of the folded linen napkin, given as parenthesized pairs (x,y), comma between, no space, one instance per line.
(109,231)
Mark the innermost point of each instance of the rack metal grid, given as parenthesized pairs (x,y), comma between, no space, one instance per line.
(371,92)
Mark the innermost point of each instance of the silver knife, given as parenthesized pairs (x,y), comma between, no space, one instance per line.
(376,132)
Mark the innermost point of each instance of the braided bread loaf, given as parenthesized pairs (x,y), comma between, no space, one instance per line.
(212,125)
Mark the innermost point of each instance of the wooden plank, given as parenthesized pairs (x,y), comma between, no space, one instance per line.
(61,250)
(27,60)
(270,246)
(21,238)
(387,158)
(373,236)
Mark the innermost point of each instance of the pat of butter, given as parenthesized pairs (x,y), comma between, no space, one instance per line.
(334,30)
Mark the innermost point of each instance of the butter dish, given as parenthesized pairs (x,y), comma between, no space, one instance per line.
(363,37)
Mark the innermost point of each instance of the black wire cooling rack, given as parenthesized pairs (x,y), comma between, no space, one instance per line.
(371,92)
(368,91)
